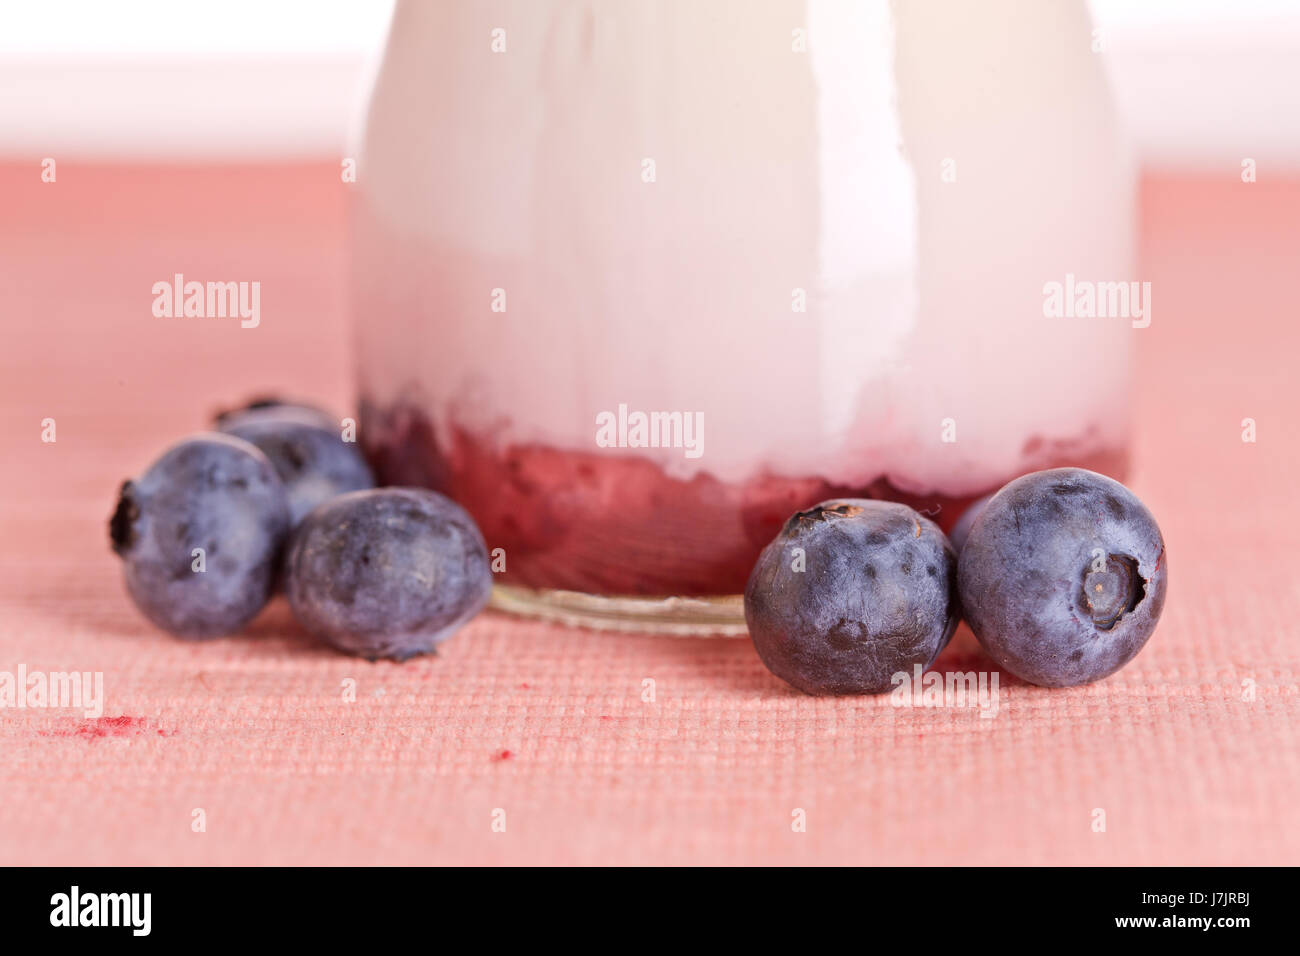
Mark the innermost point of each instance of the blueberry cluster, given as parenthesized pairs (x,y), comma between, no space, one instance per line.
(1061,576)
(274,496)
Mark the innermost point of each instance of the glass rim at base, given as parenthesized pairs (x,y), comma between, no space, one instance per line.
(715,616)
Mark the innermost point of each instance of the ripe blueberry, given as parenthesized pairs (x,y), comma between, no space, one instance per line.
(1063,576)
(211,492)
(387,573)
(306,449)
(849,594)
(260,409)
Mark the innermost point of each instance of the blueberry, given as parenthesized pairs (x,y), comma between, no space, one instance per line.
(387,573)
(1063,577)
(213,492)
(871,593)
(260,409)
(961,529)
(307,450)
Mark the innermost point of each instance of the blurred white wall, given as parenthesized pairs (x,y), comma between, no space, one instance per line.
(1202,83)
(184,79)
(1205,83)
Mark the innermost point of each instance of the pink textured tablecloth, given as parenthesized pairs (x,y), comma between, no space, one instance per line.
(549,724)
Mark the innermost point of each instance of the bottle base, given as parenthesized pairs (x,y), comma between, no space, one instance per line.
(715,616)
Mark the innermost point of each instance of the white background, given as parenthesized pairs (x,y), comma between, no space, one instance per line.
(1202,83)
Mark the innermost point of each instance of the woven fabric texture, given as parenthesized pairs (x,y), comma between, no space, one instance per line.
(1192,752)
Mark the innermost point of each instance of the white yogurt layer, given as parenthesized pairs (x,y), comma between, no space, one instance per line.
(654,185)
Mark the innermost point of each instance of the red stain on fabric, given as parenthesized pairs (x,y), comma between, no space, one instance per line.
(95,728)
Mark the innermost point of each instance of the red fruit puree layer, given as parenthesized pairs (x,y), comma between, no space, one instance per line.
(619,525)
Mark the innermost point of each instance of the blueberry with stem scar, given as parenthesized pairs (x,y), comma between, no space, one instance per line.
(1063,577)
(200,534)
